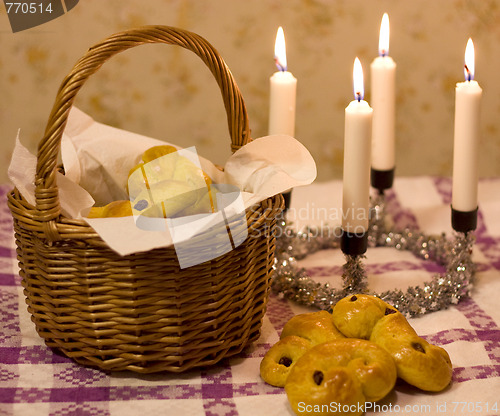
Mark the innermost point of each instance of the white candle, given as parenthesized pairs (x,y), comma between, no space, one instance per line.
(383,100)
(357,151)
(466,141)
(283,92)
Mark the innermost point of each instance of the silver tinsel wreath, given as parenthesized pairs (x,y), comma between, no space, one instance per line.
(454,254)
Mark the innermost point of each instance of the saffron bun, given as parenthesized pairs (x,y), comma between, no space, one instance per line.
(299,334)
(163,184)
(344,373)
(419,363)
(317,327)
(281,357)
(113,209)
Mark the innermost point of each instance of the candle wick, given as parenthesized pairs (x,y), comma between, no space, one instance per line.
(383,53)
(278,64)
(358,96)
(469,75)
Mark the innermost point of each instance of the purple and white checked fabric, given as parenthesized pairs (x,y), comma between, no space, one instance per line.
(35,380)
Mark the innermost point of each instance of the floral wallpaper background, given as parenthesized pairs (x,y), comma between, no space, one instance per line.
(166,92)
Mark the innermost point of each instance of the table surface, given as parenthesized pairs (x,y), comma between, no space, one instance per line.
(35,380)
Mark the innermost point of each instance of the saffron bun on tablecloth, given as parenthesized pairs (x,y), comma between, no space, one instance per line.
(419,363)
(316,327)
(299,334)
(340,375)
(281,357)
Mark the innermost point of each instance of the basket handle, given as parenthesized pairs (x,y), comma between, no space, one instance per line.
(46,192)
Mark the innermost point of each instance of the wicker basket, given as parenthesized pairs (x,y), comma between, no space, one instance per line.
(139,312)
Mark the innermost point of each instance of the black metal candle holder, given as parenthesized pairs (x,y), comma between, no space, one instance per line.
(354,244)
(287,196)
(381,179)
(464,221)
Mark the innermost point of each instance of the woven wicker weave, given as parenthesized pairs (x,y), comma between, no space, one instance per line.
(139,312)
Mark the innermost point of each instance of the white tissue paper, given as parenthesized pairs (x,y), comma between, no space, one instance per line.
(97,160)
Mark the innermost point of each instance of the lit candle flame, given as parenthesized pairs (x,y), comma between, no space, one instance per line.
(280,50)
(383,40)
(469,61)
(357,75)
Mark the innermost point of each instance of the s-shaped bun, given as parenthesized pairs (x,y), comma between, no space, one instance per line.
(419,363)
(299,334)
(344,373)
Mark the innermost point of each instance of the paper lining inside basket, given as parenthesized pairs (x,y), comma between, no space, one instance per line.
(97,159)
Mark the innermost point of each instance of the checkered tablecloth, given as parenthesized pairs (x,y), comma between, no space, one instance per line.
(35,380)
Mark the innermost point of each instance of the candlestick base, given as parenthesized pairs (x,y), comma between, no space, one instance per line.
(382,179)
(378,226)
(463,221)
(354,275)
(438,293)
(354,244)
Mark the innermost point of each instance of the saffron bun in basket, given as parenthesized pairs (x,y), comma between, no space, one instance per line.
(173,186)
